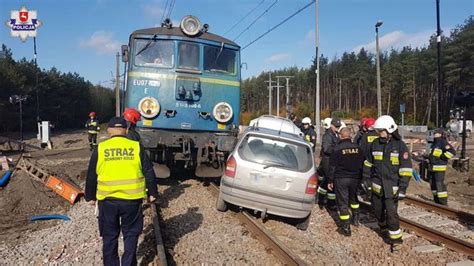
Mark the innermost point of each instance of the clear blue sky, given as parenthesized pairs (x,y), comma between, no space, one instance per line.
(82,36)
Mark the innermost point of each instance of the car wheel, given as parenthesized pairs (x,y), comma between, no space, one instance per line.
(303,223)
(221,205)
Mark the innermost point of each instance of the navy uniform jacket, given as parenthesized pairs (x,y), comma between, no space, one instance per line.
(367,139)
(388,166)
(330,140)
(441,152)
(346,161)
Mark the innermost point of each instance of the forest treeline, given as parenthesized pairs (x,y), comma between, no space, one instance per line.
(65,98)
(348,83)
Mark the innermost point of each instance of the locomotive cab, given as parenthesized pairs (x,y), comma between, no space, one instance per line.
(185,82)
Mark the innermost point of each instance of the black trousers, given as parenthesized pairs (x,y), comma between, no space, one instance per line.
(116,215)
(92,140)
(323,191)
(386,212)
(438,188)
(346,197)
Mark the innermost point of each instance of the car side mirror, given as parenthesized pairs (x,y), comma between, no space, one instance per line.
(242,65)
(124,53)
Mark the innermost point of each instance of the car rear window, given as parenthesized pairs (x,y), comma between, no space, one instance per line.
(276,153)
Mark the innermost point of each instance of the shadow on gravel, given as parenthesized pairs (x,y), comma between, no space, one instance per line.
(173,191)
(174,228)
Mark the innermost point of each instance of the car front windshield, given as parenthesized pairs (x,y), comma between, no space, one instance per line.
(159,53)
(271,152)
(219,59)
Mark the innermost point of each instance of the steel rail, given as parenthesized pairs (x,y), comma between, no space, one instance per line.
(160,258)
(280,250)
(431,234)
(441,209)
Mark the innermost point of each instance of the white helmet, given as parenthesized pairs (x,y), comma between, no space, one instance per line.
(306,120)
(327,122)
(386,122)
(343,125)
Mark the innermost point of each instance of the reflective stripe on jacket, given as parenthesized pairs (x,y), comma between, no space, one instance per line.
(119,170)
(389,167)
(441,152)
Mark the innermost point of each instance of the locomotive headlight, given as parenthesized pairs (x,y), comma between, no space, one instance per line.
(222,112)
(190,25)
(149,107)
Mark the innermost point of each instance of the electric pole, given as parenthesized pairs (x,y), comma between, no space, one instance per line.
(36,81)
(278,96)
(270,90)
(287,103)
(318,111)
(377,48)
(439,93)
(117,85)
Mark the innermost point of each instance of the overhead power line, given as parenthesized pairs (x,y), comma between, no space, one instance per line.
(164,11)
(279,24)
(244,17)
(255,20)
(171,8)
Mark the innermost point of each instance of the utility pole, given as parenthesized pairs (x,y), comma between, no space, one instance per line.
(288,104)
(318,100)
(379,90)
(270,90)
(278,96)
(36,81)
(117,85)
(439,93)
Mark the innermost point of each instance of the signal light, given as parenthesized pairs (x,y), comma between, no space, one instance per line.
(231,166)
(312,185)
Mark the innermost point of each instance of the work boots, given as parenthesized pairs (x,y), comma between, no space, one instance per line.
(321,201)
(355,219)
(344,229)
(396,245)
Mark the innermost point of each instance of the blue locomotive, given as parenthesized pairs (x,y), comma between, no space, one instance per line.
(185,82)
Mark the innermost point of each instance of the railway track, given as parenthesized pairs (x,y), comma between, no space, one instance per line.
(160,259)
(437,223)
(280,250)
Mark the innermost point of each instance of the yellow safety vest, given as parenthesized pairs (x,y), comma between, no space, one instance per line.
(119,170)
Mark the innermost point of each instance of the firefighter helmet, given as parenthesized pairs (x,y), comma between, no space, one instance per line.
(327,122)
(386,122)
(369,122)
(131,115)
(306,120)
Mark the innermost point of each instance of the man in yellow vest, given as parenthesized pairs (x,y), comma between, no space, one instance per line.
(119,177)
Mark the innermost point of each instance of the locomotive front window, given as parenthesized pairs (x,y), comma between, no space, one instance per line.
(188,56)
(154,53)
(219,59)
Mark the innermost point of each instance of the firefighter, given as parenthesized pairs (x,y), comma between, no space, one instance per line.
(330,139)
(389,167)
(93,129)
(132,116)
(119,177)
(441,152)
(365,141)
(344,177)
(361,132)
(308,131)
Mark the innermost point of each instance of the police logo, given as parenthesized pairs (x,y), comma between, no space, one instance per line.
(23,23)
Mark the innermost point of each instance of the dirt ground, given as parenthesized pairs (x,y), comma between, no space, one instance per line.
(23,198)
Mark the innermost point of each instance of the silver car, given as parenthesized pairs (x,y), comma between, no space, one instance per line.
(272,171)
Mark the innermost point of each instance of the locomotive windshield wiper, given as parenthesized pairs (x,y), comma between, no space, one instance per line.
(153,39)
